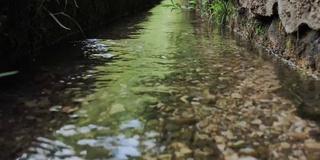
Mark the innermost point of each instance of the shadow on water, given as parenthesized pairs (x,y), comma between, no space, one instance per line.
(38,101)
(301,88)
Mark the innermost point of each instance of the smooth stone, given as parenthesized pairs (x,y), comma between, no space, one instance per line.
(172,127)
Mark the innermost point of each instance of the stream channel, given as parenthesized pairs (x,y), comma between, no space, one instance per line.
(160,85)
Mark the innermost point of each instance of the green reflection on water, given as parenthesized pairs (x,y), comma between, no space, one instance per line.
(141,60)
(141,63)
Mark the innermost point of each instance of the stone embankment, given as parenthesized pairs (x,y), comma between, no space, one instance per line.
(292,13)
(288,28)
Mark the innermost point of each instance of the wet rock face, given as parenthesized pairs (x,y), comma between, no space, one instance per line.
(288,28)
(274,35)
(292,13)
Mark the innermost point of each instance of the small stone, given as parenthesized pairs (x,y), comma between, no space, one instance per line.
(248,103)
(184,120)
(236,95)
(30,117)
(116,108)
(208,149)
(231,117)
(223,78)
(297,153)
(184,99)
(44,102)
(64,152)
(195,81)
(165,156)
(172,127)
(285,145)
(247,158)
(259,133)
(219,139)
(178,155)
(256,143)
(199,153)
(262,127)
(32,103)
(248,151)
(74,116)
(298,130)
(197,99)
(203,136)
(313,145)
(284,121)
(153,122)
(147,157)
(185,151)
(177,145)
(55,108)
(232,157)
(227,134)
(298,136)
(195,103)
(239,144)
(275,154)
(221,146)
(256,121)
(242,124)
(69,109)
(210,97)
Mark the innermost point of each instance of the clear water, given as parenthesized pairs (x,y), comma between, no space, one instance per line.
(149,85)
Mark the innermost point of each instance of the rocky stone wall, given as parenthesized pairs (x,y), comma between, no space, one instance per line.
(287,28)
(26,26)
(292,13)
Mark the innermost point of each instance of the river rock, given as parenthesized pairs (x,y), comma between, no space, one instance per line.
(116,108)
(184,120)
(312,145)
(248,151)
(185,151)
(165,156)
(219,139)
(247,158)
(239,144)
(256,122)
(285,145)
(171,127)
(236,95)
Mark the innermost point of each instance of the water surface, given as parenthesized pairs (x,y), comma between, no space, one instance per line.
(162,85)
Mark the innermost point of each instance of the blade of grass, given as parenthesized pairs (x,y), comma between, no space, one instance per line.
(74,22)
(65,5)
(39,8)
(55,18)
(8,73)
(75,3)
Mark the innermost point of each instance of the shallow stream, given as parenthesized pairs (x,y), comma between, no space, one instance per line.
(161,85)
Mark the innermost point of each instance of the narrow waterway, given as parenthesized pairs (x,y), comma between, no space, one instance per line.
(162,85)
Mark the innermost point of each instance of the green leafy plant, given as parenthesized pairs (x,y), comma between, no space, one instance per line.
(260,28)
(183,7)
(297,98)
(220,11)
(203,7)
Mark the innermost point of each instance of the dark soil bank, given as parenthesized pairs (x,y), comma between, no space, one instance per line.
(26,26)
